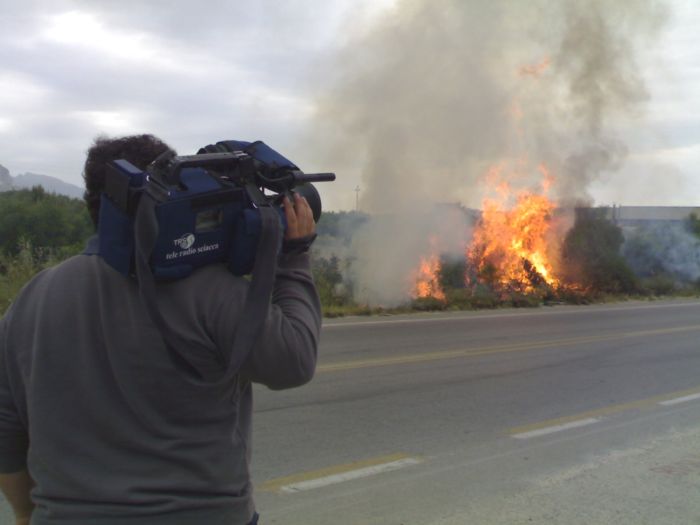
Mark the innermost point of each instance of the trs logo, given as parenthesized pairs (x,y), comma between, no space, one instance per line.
(185,242)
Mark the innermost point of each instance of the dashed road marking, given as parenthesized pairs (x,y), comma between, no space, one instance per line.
(682,399)
(593,416)
(556,428)
(339,473)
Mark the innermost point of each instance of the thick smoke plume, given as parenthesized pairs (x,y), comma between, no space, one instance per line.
(437,91)
(663,248)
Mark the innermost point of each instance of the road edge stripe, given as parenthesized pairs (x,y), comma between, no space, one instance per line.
(349,475)
(683,399)
(556,428)
(339,473)
(611,409)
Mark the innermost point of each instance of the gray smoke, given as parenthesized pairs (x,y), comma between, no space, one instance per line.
(437,91)
(388,249)
(663,249)
(597,63)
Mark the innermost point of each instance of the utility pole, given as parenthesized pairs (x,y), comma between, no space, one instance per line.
(357,198)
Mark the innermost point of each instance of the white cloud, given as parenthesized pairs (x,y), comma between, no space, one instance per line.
(87,34)
(110,122)
(6,125)
(75,27)
(19,92)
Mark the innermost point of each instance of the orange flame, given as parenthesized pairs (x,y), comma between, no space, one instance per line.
(511,245)
(534,70)
(426,277)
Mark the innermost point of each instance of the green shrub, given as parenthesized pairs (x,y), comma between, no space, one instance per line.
(428,304)
(693,223)
(48,220)
(329,282)
(15,272)
(451,273)
(459,299)
(662,284)
(17,269)
(331,311)
(522,300)
(484,297)
(591,253)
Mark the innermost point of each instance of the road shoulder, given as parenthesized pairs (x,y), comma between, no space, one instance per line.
(657,482)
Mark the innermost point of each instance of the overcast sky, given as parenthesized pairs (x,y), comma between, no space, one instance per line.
(194,73)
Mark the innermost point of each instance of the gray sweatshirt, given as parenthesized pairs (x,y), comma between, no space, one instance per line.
(111,432)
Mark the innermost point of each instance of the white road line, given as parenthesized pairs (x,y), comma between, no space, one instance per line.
(349,475)
(556,428)
(677,400)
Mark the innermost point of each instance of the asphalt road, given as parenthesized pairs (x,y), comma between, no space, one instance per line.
(553,415)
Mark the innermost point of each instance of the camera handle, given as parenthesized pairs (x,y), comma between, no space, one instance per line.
(210,161)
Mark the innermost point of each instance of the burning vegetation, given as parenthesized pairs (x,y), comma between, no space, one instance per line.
(428,279)
(515,245)
(526,255)
(507,108)
(538,254)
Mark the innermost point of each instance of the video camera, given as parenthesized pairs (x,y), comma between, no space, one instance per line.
(207,206)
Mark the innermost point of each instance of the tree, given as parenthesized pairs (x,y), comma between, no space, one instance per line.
(451,273)
(46,220)
(340,224)
(591,253)
(693,223)
(329,281)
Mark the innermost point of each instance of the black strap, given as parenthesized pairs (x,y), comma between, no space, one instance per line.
(257,301)
(146,234)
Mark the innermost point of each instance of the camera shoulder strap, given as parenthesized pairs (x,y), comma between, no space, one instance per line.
(257,302)
(259,296)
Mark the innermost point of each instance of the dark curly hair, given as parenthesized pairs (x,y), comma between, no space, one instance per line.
(140,150)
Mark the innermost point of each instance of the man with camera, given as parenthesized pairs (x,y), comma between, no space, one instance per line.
(98,419)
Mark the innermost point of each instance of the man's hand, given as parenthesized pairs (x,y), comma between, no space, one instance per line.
(300,218)
(16,488)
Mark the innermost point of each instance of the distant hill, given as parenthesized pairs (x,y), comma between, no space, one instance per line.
(50,184)
(27,180)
